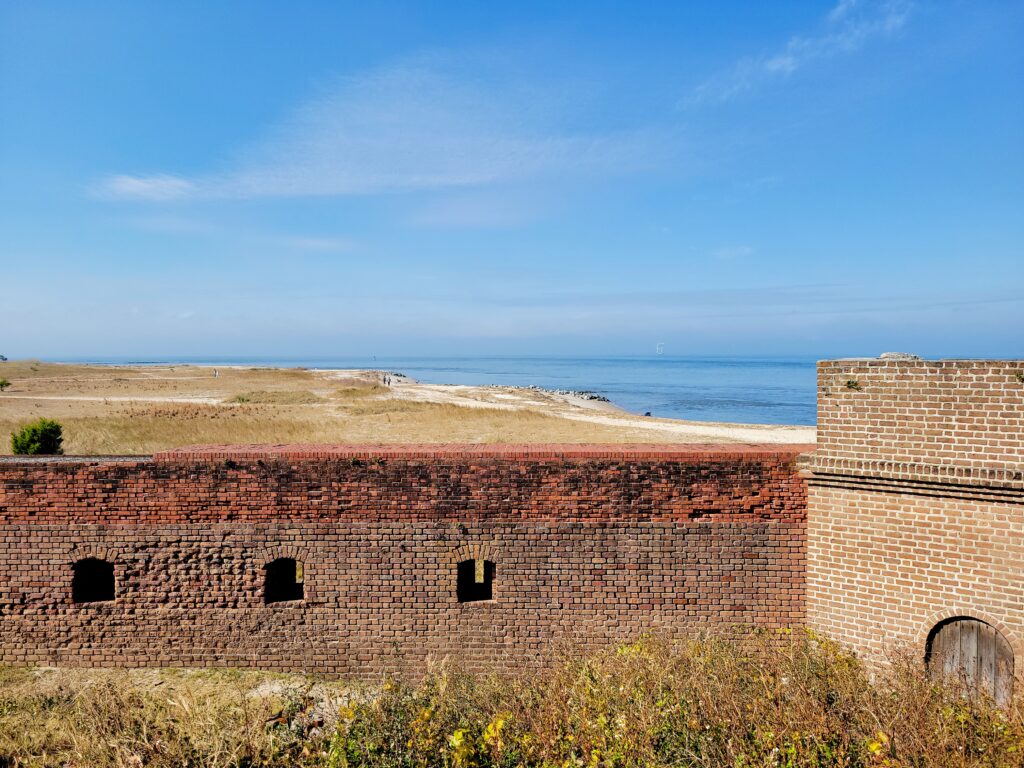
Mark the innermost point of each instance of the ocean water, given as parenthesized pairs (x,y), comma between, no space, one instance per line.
(731,389)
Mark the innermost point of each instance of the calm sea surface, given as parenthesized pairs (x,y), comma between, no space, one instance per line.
(758,391)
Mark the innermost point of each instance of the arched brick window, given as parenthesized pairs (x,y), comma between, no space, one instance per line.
(284,581)
(474,581)
(973,652)
(93,581)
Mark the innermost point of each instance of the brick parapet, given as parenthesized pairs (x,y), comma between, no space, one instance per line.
(958,421)
(414,484)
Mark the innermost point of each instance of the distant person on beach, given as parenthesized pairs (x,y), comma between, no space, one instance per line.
(215,373)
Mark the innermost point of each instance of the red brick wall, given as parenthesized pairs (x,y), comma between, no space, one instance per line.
(591,544)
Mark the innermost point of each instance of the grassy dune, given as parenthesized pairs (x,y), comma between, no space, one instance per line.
(141,430)
(122,410)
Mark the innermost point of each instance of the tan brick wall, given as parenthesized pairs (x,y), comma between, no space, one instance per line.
(592,544)
(944,419)
(884,567)
(916,500)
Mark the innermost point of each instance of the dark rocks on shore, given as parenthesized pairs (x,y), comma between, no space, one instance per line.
(582,394)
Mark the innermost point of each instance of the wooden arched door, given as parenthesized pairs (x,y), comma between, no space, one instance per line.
(975,653)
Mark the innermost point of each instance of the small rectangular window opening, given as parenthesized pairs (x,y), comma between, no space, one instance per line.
(474,581)
(92,581)
(284,581)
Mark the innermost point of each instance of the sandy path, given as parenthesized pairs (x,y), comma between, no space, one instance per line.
(197,399)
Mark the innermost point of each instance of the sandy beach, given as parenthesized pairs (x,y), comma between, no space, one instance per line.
(139,409)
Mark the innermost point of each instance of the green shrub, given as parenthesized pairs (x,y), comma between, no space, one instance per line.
(4,384)
(43,437)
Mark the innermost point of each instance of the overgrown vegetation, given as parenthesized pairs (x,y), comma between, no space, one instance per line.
(369,390)
(4,383)
(284,397)
(41,437)
(767,700)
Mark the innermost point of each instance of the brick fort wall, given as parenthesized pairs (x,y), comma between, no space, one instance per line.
(916,501)
(589,545)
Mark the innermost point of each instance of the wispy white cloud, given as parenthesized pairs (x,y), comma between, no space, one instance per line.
(193,226)
(157,187)
(403,128)
(842,10)
(171,224)
(847,28)
(731,252)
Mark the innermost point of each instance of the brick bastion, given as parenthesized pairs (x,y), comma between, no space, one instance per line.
(916,511)
(361,560)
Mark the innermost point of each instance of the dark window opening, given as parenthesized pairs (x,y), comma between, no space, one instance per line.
(474,581)
(93,581)
(284,581)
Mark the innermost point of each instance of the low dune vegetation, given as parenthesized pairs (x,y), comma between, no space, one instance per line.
(142,409)
(107,410)
(297,397)
(770,699)
(138,428)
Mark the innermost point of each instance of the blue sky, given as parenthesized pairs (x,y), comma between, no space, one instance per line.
(331,179)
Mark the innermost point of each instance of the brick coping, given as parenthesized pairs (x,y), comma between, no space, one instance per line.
(97,459)
(948,362)
(537,451)
(918,471)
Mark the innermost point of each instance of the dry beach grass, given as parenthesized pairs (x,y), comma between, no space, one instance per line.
(789,700)
(141,409)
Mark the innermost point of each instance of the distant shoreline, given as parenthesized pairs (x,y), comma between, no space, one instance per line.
(779,391)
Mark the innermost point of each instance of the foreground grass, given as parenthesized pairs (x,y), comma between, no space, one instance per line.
(709,701)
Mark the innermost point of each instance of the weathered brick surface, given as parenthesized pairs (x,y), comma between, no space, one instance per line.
(945,420)
(916,501)
(885,567)
(591,544)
